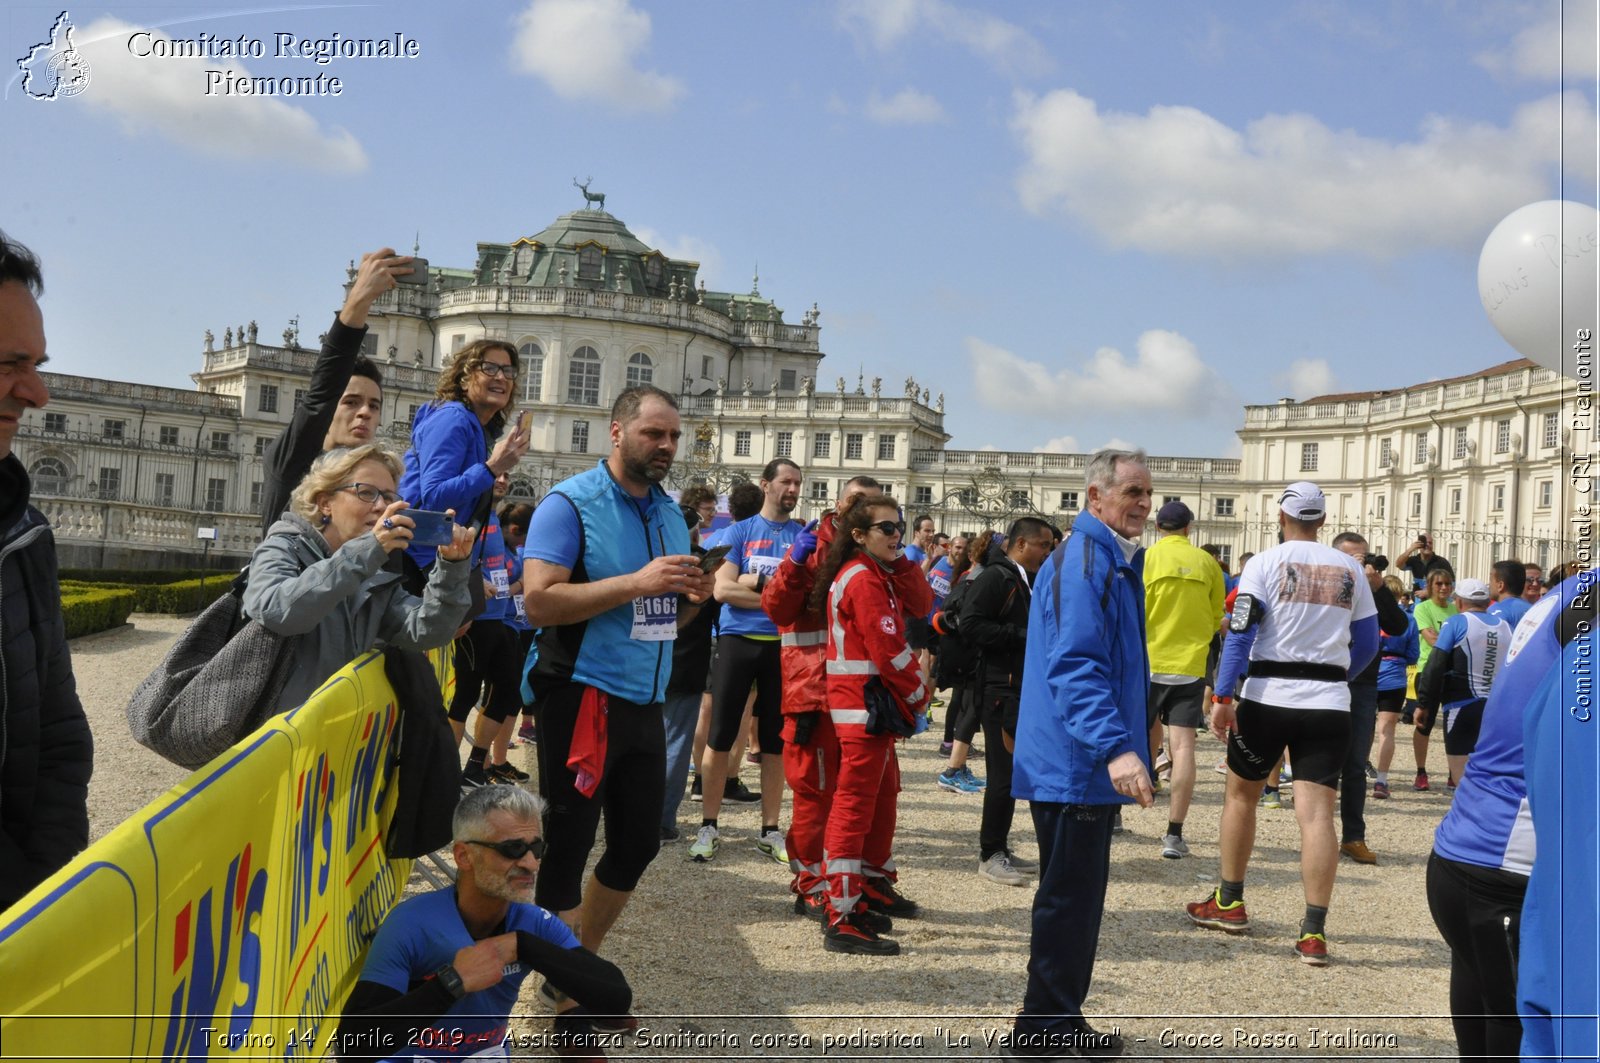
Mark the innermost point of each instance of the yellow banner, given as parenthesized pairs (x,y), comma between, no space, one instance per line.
(227,918)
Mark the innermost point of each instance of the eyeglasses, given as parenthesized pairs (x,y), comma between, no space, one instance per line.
(370,494)
(515,848)
(494,369)
(890,527)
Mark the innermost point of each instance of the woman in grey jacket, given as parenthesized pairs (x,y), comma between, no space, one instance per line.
(319,572)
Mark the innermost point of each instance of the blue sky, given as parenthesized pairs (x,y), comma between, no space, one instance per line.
(1080,221)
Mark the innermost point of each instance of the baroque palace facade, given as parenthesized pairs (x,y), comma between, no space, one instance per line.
(130,473)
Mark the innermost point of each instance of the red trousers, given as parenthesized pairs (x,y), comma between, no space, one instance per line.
(812,772)
(860,834)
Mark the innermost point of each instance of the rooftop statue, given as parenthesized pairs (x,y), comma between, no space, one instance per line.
(597,198)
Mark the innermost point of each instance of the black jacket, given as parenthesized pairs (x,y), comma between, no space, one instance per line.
(46,751)
(289,457)
(1392,621)
(994,618)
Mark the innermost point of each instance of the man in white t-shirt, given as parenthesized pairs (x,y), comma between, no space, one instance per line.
(1305,621)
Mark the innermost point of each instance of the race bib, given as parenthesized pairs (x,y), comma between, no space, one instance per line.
(655,618)
(940,584)
(521,608)
(502,582)
(762,565)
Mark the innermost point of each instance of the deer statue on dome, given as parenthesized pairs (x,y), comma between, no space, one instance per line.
(597,198)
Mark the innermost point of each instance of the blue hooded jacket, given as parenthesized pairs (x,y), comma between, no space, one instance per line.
(445,467)
(1086,677)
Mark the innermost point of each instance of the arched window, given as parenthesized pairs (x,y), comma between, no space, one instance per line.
(641,370)
(522,489)
(531,359)
(49,476)
(583,377)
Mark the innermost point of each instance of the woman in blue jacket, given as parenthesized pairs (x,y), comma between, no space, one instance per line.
(1398,653)
(449,465)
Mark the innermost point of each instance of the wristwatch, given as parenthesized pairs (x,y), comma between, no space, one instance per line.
(450,978)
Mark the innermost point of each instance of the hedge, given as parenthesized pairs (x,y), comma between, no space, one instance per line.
(95,610)
(182,597)
(138,576)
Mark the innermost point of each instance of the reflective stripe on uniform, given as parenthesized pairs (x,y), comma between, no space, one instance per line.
(857,716)
(838,667)
(901,659)
(803,638)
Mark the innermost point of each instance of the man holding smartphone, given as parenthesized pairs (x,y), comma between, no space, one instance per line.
(1419,560)
(608,578)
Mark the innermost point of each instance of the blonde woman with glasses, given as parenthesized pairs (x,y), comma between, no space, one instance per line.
(320,571)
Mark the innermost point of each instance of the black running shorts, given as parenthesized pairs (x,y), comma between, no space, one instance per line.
(1315,738)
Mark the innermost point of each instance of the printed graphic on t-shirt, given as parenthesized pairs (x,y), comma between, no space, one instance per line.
(1310,584)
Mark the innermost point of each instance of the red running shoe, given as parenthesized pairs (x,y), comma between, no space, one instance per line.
(1312,949)
(1208,913)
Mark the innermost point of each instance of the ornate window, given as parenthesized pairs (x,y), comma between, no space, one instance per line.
(589,261)
(49,476)
(583,377)
(641,370)
(531,358)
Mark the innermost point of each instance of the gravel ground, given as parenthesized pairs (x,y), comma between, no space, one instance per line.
(722,968)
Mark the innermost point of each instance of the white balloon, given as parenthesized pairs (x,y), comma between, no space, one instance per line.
(1536,276)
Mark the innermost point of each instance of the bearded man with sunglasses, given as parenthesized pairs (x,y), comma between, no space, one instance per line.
(445,968)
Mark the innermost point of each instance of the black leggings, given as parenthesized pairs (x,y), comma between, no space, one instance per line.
(742,663)
(630,794)
(1478,910)
(965,710)
(487,654)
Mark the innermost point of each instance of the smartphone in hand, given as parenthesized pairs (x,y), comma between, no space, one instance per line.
(432,529)
(713,558)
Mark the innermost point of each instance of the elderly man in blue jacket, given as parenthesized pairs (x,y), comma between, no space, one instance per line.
(1081,751)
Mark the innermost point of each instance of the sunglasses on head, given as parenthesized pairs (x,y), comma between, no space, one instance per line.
(890,527)
(515,848)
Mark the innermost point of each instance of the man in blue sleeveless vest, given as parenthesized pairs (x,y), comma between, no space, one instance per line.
(608,579)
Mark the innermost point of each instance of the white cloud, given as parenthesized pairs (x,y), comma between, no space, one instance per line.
(166,96)
(906,107)
(1005,45)
(691,248)
(1549,50)
(1306,377)
(1060,445)
(1177,181)
(1167,376)
(589,50)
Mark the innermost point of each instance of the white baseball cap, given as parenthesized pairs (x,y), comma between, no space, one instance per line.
(1303,500)
(1472,590)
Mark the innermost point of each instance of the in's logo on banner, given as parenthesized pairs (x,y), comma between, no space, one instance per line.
(216,946)
(54,68)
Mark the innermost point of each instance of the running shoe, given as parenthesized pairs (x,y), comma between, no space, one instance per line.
(945,748)
(998,868)
(1312,949)
(851,935)
(1286,777)
(1271,798)
(1173,847)
(753,756)
(1163,764)
(526,732)
(951,780)
(771,844)
(1230,919)
(1420,783)
(1372,773)
(1380,791)
(506,772)
(736,790)
(670,834)
(706,844)
(881,896)
(936,702)
(474,775)
(1222,766)
(972,783)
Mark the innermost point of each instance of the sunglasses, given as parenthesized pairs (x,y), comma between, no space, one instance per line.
(890,527)
(515,848)
(370,494)
(494,369)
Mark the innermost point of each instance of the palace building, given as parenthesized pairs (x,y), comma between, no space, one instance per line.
(128,473)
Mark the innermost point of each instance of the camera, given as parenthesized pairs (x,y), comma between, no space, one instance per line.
(1378,562)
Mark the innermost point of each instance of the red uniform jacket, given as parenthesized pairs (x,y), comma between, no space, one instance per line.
(867,607)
